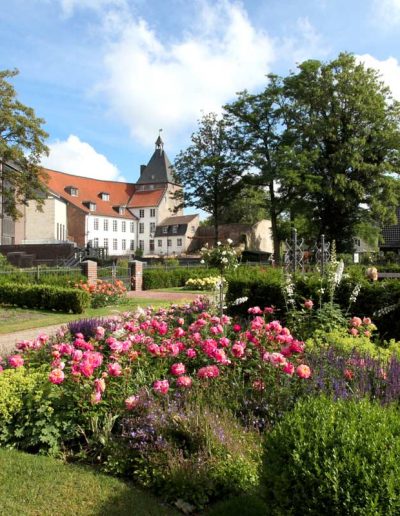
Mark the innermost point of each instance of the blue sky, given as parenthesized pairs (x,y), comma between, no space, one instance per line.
(106,75)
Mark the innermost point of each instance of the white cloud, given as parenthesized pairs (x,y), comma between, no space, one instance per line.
(153,83)
(389,70)
(79,158)
(305,42)
(387,12)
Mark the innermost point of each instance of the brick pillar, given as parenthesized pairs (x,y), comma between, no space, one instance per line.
(89,269)
(136,273)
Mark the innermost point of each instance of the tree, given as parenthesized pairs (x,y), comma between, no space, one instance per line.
(258,129)
(344,128)
(209,170)
(248,208)
(22,144)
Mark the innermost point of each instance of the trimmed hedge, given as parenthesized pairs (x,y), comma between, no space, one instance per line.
(328,457)
(166,278)
(45,296)
(264,288)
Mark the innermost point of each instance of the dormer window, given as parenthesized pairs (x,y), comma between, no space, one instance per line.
(72,190)
(91,205)
(121,210)
(165,230)
(104,196)
(175,229)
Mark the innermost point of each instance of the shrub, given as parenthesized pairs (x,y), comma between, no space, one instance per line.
(160,277)
(192,453)
(330,457)
(207,283)
(44,296)
(103,293)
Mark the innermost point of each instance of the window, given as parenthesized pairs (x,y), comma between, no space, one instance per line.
(132,227)
(193,229)
(105,224)
(123,244)
(121,210)
(141,245)
(151,246)
(152,227)
(152,212)
(123,226)
(141,227)
(175,229)
(105,196)
(141,214)
(179,242)
(96,224)
(73,191)
(115,244)
(115,225)
(132,245)
(92,206)
(159,243)
(105,243)
(95,242)
(169,242)
(165,230)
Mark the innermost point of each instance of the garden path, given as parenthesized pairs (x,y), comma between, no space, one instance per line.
(8,340)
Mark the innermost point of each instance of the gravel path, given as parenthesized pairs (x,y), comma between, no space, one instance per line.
(8,340)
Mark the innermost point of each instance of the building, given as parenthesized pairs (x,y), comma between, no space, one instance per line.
(391,236)
(121,217)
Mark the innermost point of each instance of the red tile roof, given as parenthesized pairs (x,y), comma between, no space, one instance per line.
(145,199)
(121,194)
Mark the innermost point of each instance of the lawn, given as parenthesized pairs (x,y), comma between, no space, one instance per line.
(36,485)
(14,319)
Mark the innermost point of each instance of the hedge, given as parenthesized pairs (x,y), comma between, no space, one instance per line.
(164,278)
(378,300)
(45,296)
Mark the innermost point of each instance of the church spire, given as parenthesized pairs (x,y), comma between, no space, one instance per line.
(159,142)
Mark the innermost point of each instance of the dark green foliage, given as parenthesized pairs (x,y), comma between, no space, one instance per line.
(22,145)
(44,296)
(165,278)
(337,458)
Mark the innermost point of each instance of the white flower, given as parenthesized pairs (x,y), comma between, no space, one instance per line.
(218,243)
(202,261)
(230,241)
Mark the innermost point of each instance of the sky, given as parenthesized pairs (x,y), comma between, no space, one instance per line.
(106,75)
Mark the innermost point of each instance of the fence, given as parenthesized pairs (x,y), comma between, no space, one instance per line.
(42,274)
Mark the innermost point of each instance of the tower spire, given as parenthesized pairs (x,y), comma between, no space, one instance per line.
(159,142)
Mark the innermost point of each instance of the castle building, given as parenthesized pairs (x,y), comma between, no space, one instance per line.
(121,217)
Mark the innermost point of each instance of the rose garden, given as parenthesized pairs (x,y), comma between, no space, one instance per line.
(278,395)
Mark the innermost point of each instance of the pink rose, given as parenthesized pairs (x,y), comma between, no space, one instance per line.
(114,369)
(210,371)
(161,386)
(308,304)
(132,402)
(258,385)
(15,361)
(356,322)
(238,350)
(100,385)
(288,368)
(354,332)
(56,376)
(191,353)
(236,328)
(184,381)
(303,371)
(178,369)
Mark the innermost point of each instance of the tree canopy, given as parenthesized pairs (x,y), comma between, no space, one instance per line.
(22,144)
(209,169)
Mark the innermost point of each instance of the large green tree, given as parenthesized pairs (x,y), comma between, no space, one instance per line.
(22,144)
(344,129)
(209,170)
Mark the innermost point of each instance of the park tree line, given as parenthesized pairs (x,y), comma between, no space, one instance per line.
(317,150)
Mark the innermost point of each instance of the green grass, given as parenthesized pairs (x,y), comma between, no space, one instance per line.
(14,319)
(32,485)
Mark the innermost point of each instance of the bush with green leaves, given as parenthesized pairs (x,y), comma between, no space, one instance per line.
(334,457)
(47,297)
(160,277)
